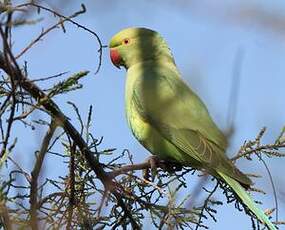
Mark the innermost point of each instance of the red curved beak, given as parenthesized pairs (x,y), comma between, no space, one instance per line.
(115,57)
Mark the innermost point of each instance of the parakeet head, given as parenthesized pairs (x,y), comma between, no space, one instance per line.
(134,45)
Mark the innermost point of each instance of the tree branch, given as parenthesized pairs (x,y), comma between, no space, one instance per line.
(13,70)
(35,174)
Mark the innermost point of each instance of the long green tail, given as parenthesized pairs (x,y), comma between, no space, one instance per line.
(247,200)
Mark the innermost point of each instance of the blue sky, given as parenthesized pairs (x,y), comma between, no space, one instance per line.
(204,39)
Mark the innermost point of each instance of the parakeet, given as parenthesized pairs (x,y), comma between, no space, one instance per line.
(167,117)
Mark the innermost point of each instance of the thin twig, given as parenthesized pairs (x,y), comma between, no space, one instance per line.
(206,204)
(35,174)
(272,185)
(48,30)
(101,46)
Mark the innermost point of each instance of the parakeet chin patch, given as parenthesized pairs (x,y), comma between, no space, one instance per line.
(115,57)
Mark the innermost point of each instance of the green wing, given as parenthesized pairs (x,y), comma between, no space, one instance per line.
(176,112)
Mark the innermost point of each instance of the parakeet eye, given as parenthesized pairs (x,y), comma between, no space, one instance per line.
(126,41)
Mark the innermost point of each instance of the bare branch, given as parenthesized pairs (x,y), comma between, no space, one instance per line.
(35,174)
(47,31)
(101,46)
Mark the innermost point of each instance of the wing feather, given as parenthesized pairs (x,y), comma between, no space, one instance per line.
(177,113)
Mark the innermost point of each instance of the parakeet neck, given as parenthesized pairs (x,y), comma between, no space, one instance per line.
(156,54)
(160,58)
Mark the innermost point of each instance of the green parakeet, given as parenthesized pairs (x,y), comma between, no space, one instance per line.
(167,117)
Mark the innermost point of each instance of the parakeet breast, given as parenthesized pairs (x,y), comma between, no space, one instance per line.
(144,132)
(147,135)
(141,129)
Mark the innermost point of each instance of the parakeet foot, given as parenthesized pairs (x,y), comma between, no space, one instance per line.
(153,161)
(156,162)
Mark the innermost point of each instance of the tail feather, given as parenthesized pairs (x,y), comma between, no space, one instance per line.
(247,200)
